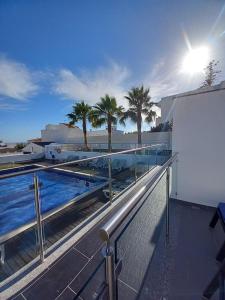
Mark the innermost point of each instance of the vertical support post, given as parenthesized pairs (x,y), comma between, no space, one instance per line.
(135,165)
(2,250)
(176,172)
(167,202)
(110,273)
(110,179)
(156,157)
(38,216)
(148,154)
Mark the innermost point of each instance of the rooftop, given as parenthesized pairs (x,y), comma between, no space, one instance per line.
(202,90)
(42,144)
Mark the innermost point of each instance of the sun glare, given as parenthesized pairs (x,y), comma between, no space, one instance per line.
(196,60)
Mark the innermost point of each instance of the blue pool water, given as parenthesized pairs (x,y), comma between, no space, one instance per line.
(57,188)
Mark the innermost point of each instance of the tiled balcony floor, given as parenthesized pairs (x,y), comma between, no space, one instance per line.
(180,269)
(183,268)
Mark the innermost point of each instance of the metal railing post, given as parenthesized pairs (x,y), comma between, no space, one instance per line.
(38,216)
(148,154)
(167,202)
(156,157)
(110,179)
(110,272)
(2,257)
(135,165)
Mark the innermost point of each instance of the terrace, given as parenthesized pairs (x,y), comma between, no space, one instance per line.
(176,271)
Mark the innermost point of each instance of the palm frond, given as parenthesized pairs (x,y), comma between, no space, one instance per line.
(129,114)
(72,118)
(150,117)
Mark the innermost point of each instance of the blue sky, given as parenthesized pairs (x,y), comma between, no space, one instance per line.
(53,53)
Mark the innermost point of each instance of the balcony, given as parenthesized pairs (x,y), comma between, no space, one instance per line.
(139,244)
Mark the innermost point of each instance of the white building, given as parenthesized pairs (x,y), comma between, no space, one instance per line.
(198,137)
(166,104)
(64,133)
(61,133)
(35,147)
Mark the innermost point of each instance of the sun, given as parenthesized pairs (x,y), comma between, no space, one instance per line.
(196,60)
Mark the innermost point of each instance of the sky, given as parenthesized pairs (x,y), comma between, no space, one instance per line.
(55,53)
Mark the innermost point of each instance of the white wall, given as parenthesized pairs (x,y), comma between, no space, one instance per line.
(104,132)
(10,158)
(166,105)
(147,138)
(33,148)
(199,137)
(62,134)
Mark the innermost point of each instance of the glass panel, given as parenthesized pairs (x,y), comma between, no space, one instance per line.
(159,155)
(70,195)
(136,243)
(142,162)
(18,236)
(123,172)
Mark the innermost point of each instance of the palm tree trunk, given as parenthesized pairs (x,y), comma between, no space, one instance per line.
(85,133)
(139,128)
(109,135)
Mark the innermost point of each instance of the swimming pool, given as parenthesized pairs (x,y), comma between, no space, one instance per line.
(57,187)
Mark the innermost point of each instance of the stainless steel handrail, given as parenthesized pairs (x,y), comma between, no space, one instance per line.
(110,227)
(76,161)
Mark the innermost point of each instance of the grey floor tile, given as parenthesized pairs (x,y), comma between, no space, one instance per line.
(91,281)
(91,243)
(57,278)
(67,295)
(125,292)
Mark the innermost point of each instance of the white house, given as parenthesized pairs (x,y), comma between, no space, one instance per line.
(35,147)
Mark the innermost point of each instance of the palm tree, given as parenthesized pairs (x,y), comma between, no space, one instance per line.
(107,112)
(81,112)
(139,105)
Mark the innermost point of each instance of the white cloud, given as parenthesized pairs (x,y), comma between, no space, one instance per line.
(12,106)
(90,86)
(16,80)
(163,80)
